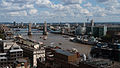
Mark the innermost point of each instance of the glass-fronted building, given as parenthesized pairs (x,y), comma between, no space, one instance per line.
(98,31)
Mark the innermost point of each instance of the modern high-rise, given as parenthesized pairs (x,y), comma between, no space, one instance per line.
(92,25)
(98,31)
(14,23)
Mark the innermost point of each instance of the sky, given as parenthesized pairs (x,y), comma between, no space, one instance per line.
(36,11)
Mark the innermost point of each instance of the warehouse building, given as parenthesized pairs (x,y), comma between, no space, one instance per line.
(9,52)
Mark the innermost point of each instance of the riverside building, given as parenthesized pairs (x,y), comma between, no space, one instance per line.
(9,52)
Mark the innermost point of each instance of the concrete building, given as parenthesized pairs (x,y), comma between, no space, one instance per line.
(21,63)
(65,59)
(10,52)
(6,45)
(64,55)
(32,49)
(68,59)
(111,51)
(112,30)
(59,58)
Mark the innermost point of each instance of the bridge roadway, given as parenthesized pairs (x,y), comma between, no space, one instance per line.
(38,30)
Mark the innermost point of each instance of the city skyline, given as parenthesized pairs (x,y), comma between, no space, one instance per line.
(59,10)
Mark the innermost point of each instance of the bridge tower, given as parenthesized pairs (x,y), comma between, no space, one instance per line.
(29,29)
(45,28)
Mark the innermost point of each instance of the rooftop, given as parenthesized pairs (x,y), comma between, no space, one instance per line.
(21,60)
(3,53)
(16,50)
(64,52)
(3,57)
(6,40)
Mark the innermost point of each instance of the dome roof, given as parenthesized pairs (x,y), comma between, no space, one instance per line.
(80,30)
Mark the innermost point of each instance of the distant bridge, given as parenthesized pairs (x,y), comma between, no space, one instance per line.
(52,31)
(31,31)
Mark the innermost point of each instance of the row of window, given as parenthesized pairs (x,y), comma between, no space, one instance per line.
(5,64)
(15,55)
(3,60)
(2,55)
(16,52)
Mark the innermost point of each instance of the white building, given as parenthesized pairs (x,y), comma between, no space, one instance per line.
(32,49)
(9,52)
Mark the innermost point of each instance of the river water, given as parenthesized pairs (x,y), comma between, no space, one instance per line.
(55,39)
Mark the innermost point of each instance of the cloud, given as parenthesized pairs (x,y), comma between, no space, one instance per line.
(102,0)
(28,6)
(20,1)
(88,4)
(19,13)
(69,2)
(43,3)
(16,7)
(59,9)
(33,11)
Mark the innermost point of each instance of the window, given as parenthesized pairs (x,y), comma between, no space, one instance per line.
(5,45)
(16,48)
(17,54)
(20,54)
(1,59)
(1,63)
(4,60)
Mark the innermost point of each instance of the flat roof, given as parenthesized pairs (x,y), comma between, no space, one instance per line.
(3,53)
(6,40)
(21,60)
(16,50)
(3,57)
(64,52)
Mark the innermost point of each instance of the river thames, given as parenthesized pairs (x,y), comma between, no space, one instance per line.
(55,40)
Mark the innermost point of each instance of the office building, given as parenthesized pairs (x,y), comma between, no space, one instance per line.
(9,52)
(98,31)
(14,23)
(21,63)
(110,51)
(59,58)
(32,49)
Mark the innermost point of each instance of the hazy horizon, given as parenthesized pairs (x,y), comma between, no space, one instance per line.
(61,22)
